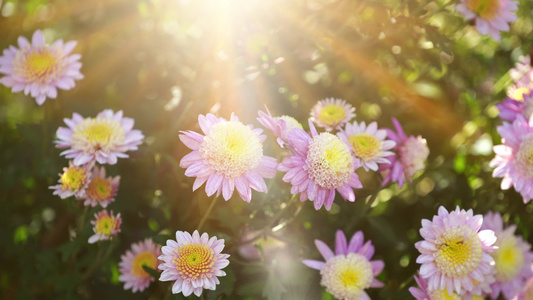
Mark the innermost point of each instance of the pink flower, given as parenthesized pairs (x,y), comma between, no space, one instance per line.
(491,16)
(454,253)
(229,156)
(332,114)
(105,227)
(40,69)
(411,156)
(510,108)
(104,138)
(193,262)
(513,159)
(100,190)
(280,126)
(321,164)
(144,253)
(349,271)
(422,292)
(513,258)
(74,181)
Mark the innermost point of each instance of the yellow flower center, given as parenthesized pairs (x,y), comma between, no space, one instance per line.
(99,189)
(332,114)
(346,276)
(194,261)
(509,258)
(73,179)
(486,9)
(105,224)
(518,94)
(37,65)
(329,161)
(93,134)
(443,295)
(459,252)
(477,297)
(231,148)
(524,156)
(364,145)
(146,258)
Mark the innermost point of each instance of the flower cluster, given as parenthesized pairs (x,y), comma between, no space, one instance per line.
(491,16)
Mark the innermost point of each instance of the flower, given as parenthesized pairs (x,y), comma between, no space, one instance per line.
(422,293)
(454,253)
(104,138)
(332,114)
(491,16)
(193,262)
(527,291)
(40,69)
(411,156)
(105,226)
(143,253)
(320,165)
(368,144)
(100,190)
(74,181)
(348,272)
(513,258)
(514,159)
(281,126)
(522,73)
(229,156)
(510,108)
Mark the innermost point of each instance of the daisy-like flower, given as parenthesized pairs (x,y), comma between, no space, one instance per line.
(510,108)
(332,114)
(513,258)
(40,69)
(193,262)
(105,226)
(229,156)
(280,126)
(143,253)
(104,138)
(411,155)
(368,144)
(422,293)
(321,164)
(491,16)
(454,253)
(100,190)
(74,181)
(349,271)
(514,159)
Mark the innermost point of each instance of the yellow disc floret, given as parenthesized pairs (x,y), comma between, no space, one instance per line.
(486,9)
(100,133)
(194,261)
(346,276)
(459,252)
(105,224)
(364,145)
(99,188)
(39,65)
(74,178)
(146,258)
(509,258)
(332,114)
(443,295)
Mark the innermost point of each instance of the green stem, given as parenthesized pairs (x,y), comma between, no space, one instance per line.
(98,260)
(204,217)
(81,223)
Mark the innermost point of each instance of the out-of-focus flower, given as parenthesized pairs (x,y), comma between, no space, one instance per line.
(491,16)
(321,164)
(143,253)
(422,292)
(510,108)
(527,291)
(349,271)
(513,258)
(105,226)
(193,262)
(332,114)
(514,159)
(280,126)
(368,144)
(40,69)
(411,155)
(454,253)
(264,246)
(100,190)
(74,181)
(229,156)
(104,138)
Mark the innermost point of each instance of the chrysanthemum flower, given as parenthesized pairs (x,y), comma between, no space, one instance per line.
(332,114)
(368,144)
(105,226)
(321,164)
(491,16)
(513,258)
(229,156)
(100,190)
(193,262)
(422,292)
(143,253)
(40,69)
(522,73)
(514,159)
(349,271)
(454,253)
(510,108)
(74,181)
(411,155)
(104,138)
(280,126)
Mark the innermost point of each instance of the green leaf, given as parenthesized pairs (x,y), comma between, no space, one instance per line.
(154,273)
